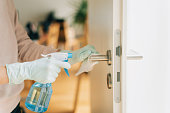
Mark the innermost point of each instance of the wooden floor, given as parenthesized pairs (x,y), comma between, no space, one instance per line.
(65,98)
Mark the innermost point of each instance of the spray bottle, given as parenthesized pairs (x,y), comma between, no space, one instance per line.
(39,95)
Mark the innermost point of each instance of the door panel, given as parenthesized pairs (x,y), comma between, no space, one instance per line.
(101,36)
(104,21)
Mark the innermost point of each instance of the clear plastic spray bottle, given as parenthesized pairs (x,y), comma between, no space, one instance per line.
(39,95)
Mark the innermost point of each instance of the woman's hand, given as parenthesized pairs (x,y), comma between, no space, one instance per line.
(82,54)
(44,70)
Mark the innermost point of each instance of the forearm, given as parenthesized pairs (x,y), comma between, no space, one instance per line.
(29,51)
(3,75)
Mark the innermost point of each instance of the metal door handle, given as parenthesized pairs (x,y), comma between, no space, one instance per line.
(107,57)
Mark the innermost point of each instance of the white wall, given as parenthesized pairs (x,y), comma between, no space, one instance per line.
(148,81)
(167,106)
(36,10)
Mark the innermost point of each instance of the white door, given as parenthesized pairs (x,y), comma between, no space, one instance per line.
(104,25)
(146,31)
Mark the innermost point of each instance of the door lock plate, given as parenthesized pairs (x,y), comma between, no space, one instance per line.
(118,51)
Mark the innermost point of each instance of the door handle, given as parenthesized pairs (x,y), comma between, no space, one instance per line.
(98,57)
(108,58)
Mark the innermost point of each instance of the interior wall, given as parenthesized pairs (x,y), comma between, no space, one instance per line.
(37,10)
(147,84)
(167,93)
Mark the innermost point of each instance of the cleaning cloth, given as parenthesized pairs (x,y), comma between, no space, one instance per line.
(86,66)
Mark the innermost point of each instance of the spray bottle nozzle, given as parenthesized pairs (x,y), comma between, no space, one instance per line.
(60,56)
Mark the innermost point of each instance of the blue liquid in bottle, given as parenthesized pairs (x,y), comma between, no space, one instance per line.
(39,97)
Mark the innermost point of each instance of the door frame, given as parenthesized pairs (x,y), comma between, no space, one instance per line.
(120,22)
(124,55)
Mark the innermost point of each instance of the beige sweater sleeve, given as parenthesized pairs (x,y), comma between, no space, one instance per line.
(27,49)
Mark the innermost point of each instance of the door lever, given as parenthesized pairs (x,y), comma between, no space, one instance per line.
(98,57)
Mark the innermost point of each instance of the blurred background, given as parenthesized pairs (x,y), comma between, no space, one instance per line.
(59,24)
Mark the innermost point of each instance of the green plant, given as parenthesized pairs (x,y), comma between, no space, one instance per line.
(80,14)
